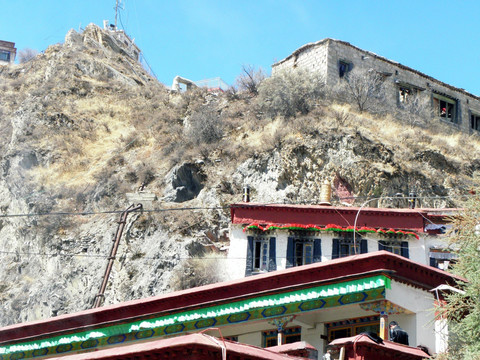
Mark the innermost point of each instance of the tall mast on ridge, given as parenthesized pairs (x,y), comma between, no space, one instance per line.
(116,13)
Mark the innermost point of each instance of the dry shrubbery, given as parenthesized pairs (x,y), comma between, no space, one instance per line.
(204,126)
(198,271)
(26,55)
(289,93)
(250,79)
(363,88)
(416,112)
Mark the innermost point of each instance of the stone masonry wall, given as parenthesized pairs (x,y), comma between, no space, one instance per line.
(325,56)
(311,57)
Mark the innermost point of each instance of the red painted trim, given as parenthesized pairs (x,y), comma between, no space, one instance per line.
(328,227)
(194,346)
(358,266)
(361,347)
(403,219)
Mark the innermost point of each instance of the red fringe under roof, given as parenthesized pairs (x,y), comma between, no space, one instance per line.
(329,227)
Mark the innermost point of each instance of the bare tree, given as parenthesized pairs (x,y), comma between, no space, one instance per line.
(415,110)
(290,92)
(365,88)
(26,55)
(250,79)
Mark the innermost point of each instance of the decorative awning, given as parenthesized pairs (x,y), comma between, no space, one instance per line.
(252,309)
(329,227)
(442,255)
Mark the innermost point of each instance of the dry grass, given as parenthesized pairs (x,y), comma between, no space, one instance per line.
(132,134)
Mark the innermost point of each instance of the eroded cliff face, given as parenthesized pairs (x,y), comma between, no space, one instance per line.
(83,125)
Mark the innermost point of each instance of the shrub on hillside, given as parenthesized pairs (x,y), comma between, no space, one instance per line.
(290,92)
(204,126)
(250,79)
(363,88)
(27,54)
(416,111)
(198,271)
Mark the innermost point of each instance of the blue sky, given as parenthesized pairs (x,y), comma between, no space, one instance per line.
(200,39)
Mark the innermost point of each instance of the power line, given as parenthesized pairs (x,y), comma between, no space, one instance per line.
(193,208)
(87,213)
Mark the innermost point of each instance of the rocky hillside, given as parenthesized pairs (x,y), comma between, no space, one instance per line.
(84,124)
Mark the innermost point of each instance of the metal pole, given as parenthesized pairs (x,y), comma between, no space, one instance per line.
(121,225)
(116,14)
(355,224)
(358,213)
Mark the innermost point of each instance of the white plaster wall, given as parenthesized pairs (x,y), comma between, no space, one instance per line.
(441,335)
(418,249)
(237,252)
(282,241)
(312,336)
(326,246)
(420,326)
(254,339)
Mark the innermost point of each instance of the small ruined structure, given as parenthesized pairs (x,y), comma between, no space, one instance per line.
(7,52)
(335,59)
(122,40)
(177,80)
(214,84)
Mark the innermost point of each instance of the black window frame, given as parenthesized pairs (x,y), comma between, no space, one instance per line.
(474,121)
(446,108)
(346,239)
(395,246)
(7,57)
(442,258)
(260,253)
(252,242)
(344,67)
(352,327)
(303,242)
(289,335)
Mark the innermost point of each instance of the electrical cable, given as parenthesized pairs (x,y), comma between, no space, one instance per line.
(85,213)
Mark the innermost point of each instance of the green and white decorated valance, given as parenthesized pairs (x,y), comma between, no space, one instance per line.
(261,307)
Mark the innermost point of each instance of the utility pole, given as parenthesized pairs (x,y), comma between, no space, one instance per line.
(116,13)
(121,225)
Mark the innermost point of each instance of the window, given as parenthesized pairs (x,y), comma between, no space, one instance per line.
(406,94)
(403,94)
(345,246)
(303,250)
(445,107)
(4,55)
(303,253)
(352,327)
(231,338)
(442,259)
(475,122)
(289,336)
(343,68)
(261,255)
(395,247)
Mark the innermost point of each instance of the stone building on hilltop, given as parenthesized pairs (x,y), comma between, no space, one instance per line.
(335,59)
(7,52)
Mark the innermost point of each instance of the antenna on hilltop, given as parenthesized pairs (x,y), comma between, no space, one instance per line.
(118,5)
